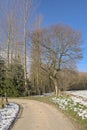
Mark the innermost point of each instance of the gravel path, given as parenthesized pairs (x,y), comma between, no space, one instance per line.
(40,116)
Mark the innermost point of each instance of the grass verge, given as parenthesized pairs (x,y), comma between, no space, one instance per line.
(81,124)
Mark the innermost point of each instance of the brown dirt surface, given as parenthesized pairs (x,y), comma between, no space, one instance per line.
(40,116)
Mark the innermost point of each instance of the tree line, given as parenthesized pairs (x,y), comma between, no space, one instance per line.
(53,52)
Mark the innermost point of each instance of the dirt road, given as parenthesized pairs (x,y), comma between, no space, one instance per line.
(40,116)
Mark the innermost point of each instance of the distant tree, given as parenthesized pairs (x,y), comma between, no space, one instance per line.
(36,60)
(67,78)
(80,82)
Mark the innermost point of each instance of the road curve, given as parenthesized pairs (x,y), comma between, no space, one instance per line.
(40,116)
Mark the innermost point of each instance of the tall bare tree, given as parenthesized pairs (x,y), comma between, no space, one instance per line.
(26,10)
(62,47)
(36,57)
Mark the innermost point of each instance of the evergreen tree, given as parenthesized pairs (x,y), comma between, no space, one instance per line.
(15,80)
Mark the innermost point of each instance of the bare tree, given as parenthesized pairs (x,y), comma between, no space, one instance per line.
(36,57)
(39,78)
(62,47)
(26,10)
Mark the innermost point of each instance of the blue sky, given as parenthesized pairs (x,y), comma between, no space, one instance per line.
(69,12)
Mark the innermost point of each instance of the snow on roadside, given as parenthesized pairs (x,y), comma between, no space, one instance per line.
(8,115)
(72,104)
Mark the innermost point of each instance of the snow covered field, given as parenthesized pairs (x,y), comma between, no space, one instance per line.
(7,115)
(77,102)
(79,93)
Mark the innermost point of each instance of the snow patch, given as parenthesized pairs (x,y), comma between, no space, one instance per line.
(79,93)
(75,104)
(8,115)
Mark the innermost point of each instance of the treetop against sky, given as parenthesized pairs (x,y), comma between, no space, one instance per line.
(69,12)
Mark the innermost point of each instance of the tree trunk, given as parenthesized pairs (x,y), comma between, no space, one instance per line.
(56,87)
(55,81)
(2,101)
(8,47)
(25,67)
(38,91)
(6,98)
